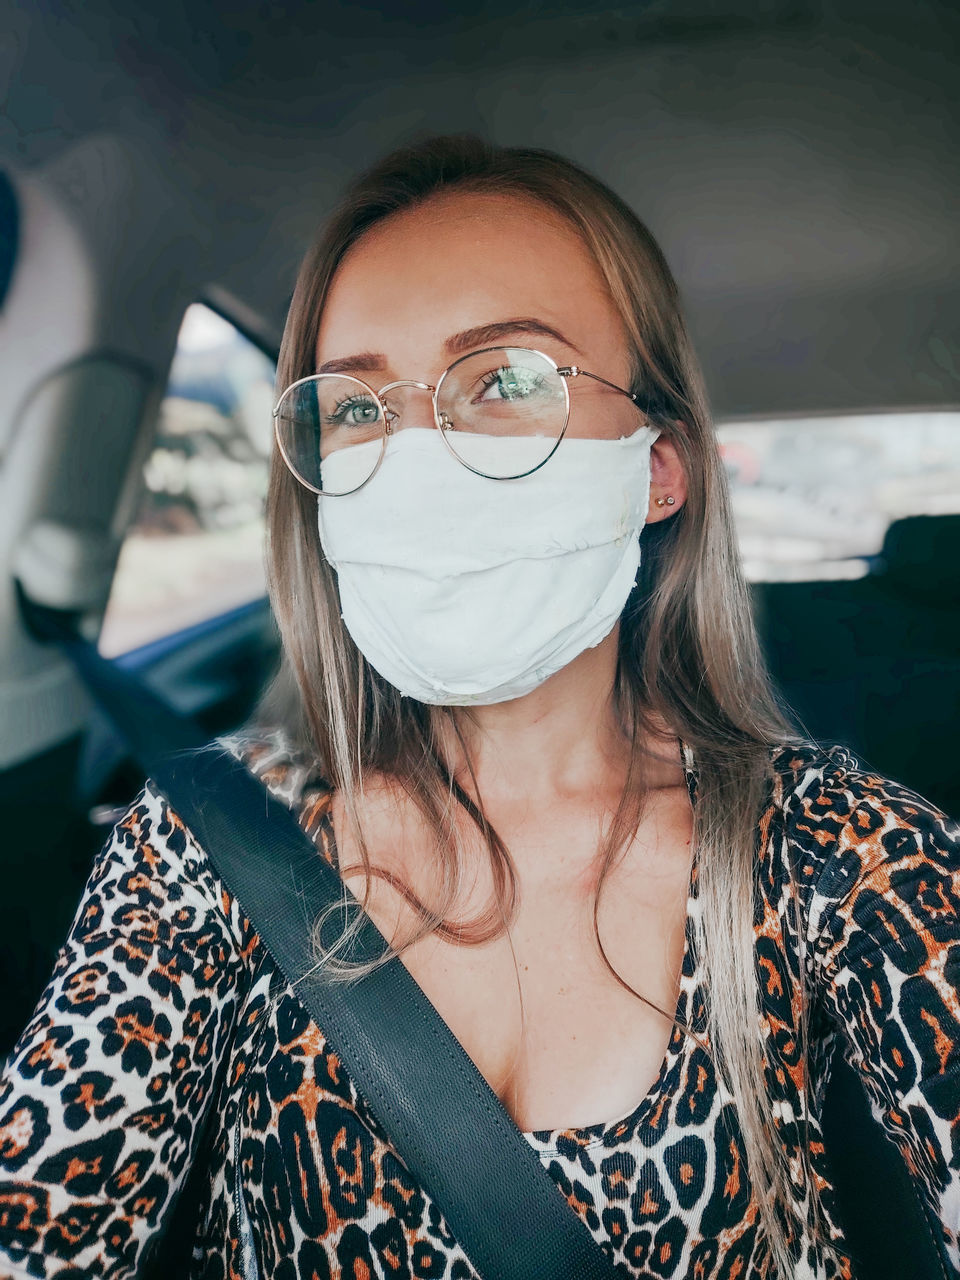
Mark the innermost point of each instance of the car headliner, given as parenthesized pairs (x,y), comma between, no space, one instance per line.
(796,158)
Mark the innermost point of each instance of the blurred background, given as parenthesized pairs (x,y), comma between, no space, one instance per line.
(164,166)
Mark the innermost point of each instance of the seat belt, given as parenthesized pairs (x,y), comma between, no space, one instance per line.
(447,1124)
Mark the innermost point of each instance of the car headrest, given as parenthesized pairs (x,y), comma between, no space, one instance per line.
(921,556)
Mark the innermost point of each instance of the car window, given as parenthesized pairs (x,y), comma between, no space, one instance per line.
(814,497)
(195,548)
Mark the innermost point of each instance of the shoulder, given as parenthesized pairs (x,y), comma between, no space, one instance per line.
(844,825)
(830,800)
(153,863)
(291,773)
(152,875)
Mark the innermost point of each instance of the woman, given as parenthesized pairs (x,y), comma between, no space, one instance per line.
(543,751)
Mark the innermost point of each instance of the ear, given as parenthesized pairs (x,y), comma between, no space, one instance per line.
(667,480)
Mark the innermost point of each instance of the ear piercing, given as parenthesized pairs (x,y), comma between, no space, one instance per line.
(668,501)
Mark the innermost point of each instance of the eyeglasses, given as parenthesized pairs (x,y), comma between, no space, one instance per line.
(502,413)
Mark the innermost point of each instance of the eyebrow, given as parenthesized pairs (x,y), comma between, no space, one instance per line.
(365,362)
(484,335)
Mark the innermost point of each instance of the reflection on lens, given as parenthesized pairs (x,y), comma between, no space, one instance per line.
(503,411)
(330,429)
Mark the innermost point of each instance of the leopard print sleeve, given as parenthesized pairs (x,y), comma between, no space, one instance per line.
(885,945)
(101,1100)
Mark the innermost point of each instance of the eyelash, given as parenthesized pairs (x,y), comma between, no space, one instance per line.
(344,407)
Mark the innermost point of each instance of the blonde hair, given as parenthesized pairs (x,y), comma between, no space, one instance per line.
(688,656)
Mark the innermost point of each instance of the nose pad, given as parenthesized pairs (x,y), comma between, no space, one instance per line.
(408,405)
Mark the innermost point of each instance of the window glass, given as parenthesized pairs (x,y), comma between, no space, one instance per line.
(196,546)
(814,497)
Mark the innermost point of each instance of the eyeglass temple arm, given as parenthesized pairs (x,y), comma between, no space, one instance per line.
(574,371)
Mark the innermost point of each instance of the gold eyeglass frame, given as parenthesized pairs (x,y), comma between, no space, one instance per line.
(565,373)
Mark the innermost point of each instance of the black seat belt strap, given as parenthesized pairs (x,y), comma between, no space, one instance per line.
(448,1126)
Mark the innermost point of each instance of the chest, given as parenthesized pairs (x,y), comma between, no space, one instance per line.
(307,1169)
(569,1011)
(307,1172)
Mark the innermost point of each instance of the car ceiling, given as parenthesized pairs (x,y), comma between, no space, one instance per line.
(796,158)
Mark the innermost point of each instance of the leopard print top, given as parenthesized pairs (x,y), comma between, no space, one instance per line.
(163,1002)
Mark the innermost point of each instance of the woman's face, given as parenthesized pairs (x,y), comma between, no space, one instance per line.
(462,272)
(466,271)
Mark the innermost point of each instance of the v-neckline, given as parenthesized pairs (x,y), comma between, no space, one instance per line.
(600,1132)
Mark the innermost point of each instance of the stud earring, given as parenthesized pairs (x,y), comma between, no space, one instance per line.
(668,501)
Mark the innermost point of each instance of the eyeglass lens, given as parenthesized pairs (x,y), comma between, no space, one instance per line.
(326,416)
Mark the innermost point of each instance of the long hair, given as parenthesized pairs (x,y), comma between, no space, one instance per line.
(689,654)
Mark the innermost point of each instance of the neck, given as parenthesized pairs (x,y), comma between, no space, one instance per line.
(561,740)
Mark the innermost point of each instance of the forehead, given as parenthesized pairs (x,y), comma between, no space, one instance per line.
(460,260)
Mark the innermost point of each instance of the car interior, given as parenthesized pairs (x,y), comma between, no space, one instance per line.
(163,167)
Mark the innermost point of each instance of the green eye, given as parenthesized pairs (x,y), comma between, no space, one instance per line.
(511,383)
(355,412)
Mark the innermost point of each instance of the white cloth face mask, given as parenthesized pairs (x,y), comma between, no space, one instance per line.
(462,590)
